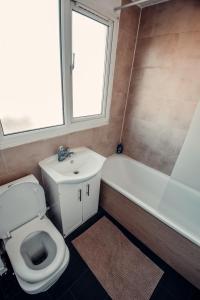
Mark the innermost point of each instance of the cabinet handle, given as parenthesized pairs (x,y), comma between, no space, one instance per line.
(80,195)
(88,190)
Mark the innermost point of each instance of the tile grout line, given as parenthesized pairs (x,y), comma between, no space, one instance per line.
(168,34)
(82,274)
(69,289)
(73,296)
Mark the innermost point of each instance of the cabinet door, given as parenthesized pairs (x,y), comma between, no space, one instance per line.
(91,196)
(71,206)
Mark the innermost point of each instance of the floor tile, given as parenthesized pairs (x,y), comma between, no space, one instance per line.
(177,286)
(161,294)
(78,282)
(41,296)
(9,286)
(73,271)
(196,295)
(1,294)
(67,296)
(87,287)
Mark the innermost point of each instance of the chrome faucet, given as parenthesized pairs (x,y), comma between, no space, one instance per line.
(64,152)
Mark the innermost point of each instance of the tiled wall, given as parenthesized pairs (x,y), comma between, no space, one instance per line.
(163,94)
(165,85)
(173,248)
(22,160)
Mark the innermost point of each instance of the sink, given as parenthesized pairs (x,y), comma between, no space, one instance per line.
(81,166)
(73,187)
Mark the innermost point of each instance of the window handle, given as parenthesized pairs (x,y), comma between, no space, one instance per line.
(1,128)
(73,61)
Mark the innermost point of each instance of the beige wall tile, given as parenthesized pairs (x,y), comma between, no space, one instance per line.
(3,169)
(165,87)
(173,17)
(22,160)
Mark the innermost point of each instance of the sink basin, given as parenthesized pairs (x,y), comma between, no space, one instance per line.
(81,166)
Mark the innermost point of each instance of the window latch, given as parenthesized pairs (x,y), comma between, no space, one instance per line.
(73,62)
(1,129)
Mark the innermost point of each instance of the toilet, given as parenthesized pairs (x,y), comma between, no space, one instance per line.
(36,249)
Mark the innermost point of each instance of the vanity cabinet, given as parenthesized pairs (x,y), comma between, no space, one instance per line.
(70,206)
(91,197)
(73,203)
(72,187)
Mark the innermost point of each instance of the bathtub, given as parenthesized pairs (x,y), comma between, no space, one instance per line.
(173,203)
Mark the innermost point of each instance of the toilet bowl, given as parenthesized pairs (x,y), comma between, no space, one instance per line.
(36,249)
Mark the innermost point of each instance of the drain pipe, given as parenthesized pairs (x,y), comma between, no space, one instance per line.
(130,78)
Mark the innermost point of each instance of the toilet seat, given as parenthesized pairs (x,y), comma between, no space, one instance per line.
(14,244)
(36,249)
(26,200)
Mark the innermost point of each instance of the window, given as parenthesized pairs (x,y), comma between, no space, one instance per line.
(57,61)
(89,45)
(30,76)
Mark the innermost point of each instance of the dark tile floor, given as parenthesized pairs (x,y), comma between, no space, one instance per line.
(78,282)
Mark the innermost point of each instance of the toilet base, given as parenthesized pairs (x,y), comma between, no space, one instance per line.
(44,285)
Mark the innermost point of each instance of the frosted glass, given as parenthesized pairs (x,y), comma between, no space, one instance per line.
(30,75)
(187,167)
(89,45)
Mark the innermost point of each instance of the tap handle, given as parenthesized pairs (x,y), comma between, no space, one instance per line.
(62,149)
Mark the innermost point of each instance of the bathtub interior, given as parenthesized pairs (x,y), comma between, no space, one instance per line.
(181,205)
(135,179)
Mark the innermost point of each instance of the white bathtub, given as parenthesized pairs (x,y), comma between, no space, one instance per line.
(173,203)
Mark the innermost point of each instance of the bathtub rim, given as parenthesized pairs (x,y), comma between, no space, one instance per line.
(163,175)
(147,208)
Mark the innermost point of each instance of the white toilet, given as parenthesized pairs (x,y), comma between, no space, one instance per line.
(36,249)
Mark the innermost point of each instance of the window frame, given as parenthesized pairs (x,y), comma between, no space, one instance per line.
(109,24)
(81,123)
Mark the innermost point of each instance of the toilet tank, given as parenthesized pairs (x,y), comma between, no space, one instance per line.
(20,201)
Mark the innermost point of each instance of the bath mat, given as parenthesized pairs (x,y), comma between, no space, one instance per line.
(121,268)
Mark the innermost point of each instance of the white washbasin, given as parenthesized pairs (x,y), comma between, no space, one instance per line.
(82,165)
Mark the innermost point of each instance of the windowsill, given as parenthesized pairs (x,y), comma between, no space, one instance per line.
(14,140)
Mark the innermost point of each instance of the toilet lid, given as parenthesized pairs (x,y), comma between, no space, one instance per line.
(19,204)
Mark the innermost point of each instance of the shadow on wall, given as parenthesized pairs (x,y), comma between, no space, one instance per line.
(164,90)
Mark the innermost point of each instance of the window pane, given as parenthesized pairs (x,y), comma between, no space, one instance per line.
(89,45)
(30,75)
